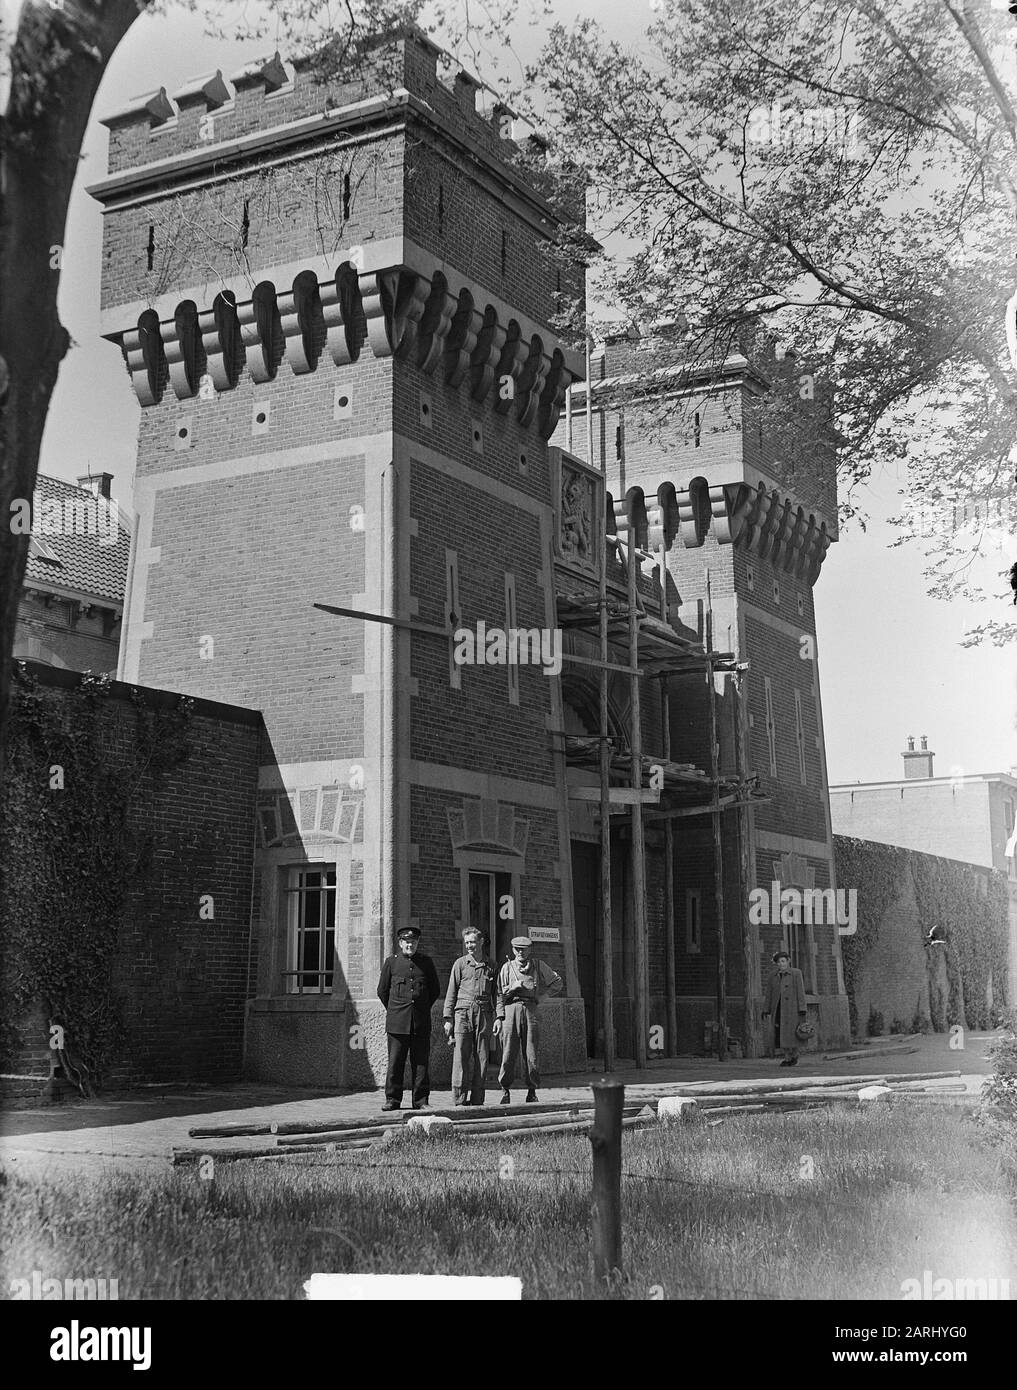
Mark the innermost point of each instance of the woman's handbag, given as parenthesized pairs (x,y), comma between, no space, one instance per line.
(804,1031)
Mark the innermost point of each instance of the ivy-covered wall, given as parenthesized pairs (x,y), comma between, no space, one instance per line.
(127,825)
(893,972)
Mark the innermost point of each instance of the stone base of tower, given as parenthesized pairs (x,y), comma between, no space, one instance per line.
(322,1041)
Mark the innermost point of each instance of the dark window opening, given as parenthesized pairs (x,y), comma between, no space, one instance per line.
(697,432)
(490,903)
(151,245)
(311,930)
(245,225)
(346,197)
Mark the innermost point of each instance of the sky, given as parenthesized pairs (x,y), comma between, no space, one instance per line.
(890,659)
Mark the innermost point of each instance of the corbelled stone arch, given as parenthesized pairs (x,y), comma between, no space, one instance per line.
(261,332)
(185,353)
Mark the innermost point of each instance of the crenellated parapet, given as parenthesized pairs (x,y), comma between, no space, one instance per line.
(397,312)
(760,520)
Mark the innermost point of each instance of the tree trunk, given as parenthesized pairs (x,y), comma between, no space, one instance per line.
(57,61)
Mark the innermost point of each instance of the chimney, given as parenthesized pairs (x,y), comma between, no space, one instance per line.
(98,484)
(917,764)
(465,88)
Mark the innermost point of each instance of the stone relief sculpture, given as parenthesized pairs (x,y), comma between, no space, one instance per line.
(576,518)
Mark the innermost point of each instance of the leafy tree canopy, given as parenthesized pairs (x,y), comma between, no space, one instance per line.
(843,174)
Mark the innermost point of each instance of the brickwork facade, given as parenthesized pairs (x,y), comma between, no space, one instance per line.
(332,426)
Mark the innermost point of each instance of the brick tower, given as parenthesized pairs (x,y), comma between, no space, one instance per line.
(754,492)
(334,309)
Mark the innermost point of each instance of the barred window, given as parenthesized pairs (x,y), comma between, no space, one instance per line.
(311,930)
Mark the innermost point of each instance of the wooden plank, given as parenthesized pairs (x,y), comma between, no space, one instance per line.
(411,626)
(228,1131)
(602,665)
(870,1052)
(337,1126)
(506,1136)
(697,1090)
(180,1156)
(335,1136)
(618,796)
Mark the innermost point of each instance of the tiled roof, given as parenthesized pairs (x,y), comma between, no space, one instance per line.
(70,546)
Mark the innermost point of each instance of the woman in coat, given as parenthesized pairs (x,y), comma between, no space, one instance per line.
(786,1002)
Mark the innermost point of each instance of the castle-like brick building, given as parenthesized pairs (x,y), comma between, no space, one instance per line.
(335,301)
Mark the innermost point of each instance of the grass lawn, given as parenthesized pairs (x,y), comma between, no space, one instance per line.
(729,1211)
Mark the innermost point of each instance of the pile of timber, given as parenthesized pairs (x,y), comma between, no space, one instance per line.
(806,1094)
(333,1136)
(293,1137)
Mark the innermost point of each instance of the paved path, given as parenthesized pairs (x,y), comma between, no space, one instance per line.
(137,1132)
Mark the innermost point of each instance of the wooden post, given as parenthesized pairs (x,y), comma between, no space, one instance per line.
(750,945)
(718,848)
(606,1142)
(669,903)
(606,933)
(639,1002)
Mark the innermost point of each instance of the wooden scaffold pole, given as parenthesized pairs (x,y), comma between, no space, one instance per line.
(640,1025)
(750,954)
(607,936)
(670,953)
(718,849)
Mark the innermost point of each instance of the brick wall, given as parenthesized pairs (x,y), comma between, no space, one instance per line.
(181,978)
(57,634)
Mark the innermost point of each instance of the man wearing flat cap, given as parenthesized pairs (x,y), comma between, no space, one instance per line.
(522,983)
(408,986)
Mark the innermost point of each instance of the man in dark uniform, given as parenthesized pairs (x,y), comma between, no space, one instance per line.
(408,986)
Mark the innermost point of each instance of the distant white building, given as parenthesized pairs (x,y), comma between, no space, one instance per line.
(966,816)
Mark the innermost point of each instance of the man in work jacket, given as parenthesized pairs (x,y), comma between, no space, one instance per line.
(408,986)
(522,983)
(469,1014)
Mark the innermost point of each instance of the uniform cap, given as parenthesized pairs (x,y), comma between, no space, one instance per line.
(407,931)
(521,941)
